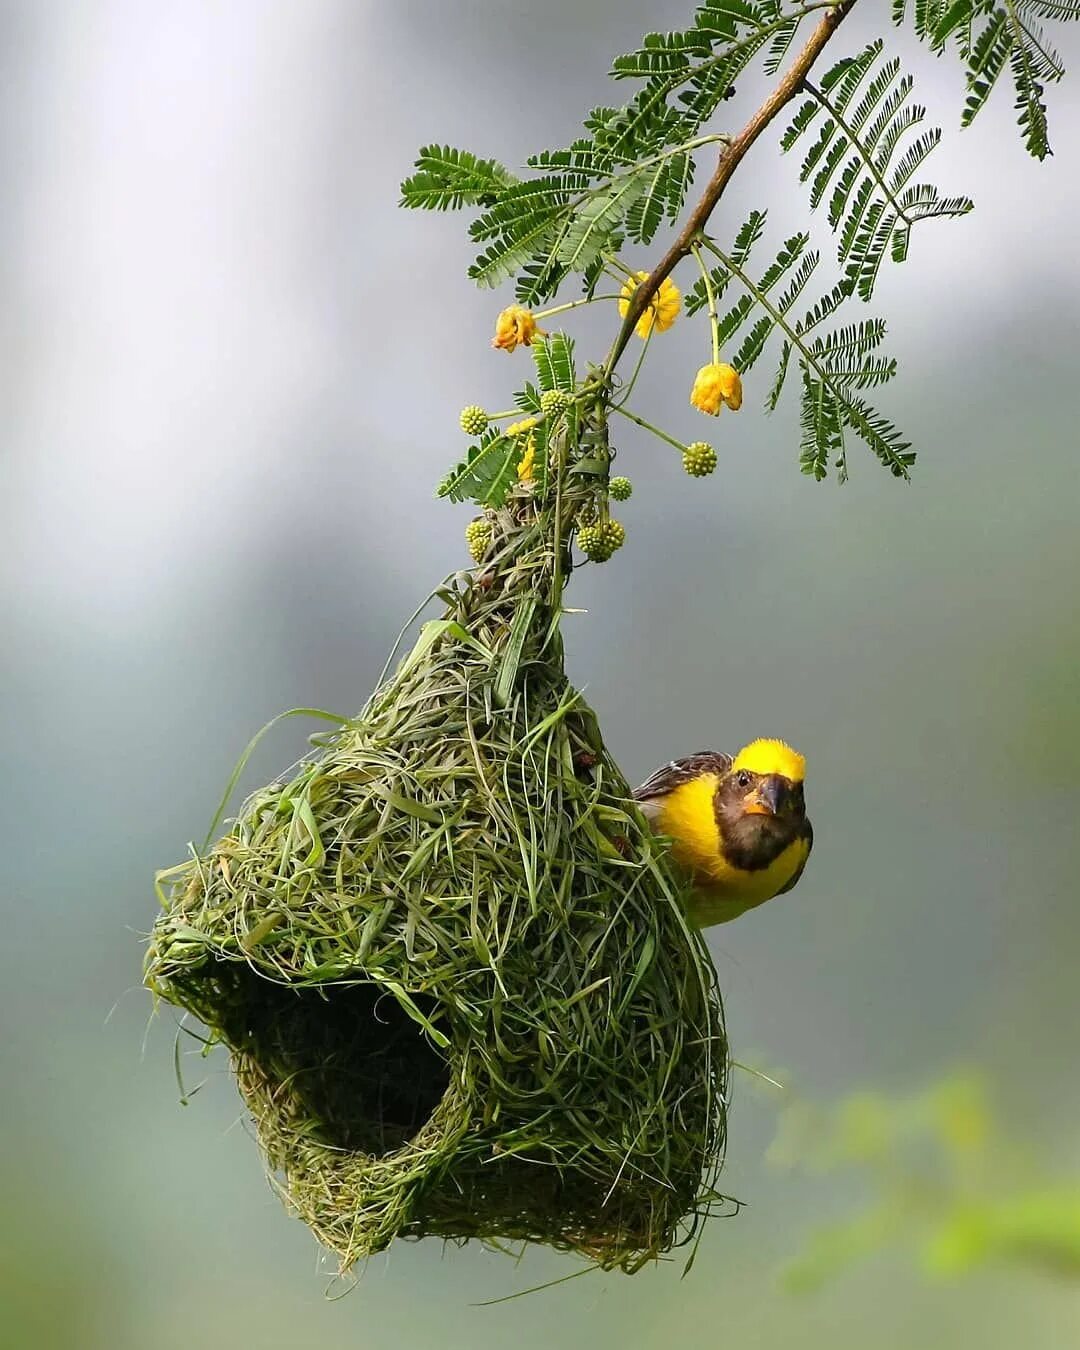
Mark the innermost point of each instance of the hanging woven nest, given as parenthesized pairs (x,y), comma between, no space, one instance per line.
(449,960)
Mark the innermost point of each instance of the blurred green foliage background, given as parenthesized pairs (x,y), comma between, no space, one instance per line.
(234,371)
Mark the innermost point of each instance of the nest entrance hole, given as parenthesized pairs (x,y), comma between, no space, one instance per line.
(359,1071)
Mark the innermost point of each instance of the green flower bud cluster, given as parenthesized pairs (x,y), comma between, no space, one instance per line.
(600,540)
(699,459)
(473,420)
(553,402)
(478,537)
(620,488)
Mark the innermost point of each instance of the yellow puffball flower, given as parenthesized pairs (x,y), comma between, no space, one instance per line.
(715,385)
(661,311)
(518,428)
(515,327)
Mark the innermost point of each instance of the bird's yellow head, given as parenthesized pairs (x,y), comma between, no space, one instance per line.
(765,779)
(771,757)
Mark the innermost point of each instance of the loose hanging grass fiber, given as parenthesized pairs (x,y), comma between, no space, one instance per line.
(449,960)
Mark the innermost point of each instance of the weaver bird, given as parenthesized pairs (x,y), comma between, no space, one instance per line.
(738,826)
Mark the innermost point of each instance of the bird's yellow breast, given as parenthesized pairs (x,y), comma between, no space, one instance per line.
(723,890)
(687,814)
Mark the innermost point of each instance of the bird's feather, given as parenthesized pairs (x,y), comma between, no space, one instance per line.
(807,835)
(680,771)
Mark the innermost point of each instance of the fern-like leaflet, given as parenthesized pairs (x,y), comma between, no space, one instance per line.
(865,119)
(836,363)
(447,179)
(991,38)
(627,175)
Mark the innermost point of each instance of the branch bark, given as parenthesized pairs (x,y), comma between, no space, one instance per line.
(730,157)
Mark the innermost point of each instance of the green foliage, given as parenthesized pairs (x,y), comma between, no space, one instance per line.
(937,1167)
(446,179)
(483,473)
(990,37)
(863,160)
(748,235)
(554,358)
(1037,1229)
(589,229)
(628,174)
(489,469)
(834,362)
(864,148)
(663,192)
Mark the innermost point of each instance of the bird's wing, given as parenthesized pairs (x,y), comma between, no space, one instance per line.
(808,835)
(679,771)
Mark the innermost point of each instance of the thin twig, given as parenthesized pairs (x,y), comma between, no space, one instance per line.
(710,295)
(616,407)
(730,157)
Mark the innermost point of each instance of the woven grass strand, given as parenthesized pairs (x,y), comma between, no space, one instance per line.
(449,959)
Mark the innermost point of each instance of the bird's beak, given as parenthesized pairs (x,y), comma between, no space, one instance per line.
(765,798)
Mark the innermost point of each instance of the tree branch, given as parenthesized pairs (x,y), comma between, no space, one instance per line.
(730,157)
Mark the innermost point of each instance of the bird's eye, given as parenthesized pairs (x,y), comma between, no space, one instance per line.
(743,779)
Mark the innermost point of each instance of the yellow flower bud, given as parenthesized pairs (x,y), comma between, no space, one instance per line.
(715,385)
(528,459)
(525,470)
(515,327)
(661,311)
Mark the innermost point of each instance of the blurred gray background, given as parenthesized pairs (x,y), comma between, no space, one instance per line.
(232,376)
